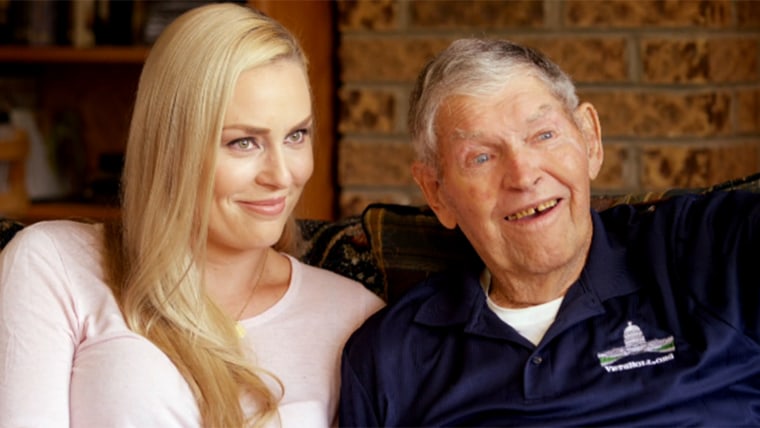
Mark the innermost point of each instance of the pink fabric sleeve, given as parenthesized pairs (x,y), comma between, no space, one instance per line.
(37,339)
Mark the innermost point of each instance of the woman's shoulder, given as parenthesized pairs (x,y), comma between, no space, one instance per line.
(324,276)
(57,265)
(328,283)
(62,239)
(60,232)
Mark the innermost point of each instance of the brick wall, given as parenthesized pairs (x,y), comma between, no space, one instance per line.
(676,83)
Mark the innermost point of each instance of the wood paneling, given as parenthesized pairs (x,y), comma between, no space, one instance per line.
(312,23)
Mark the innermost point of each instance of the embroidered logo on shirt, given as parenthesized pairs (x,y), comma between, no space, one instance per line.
(635,344)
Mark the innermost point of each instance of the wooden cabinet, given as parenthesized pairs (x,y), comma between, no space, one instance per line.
(98,85)
(95,87)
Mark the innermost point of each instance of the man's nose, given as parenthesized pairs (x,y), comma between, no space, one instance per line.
(520,168)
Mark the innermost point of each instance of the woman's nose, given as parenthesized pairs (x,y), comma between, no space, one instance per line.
(275,171)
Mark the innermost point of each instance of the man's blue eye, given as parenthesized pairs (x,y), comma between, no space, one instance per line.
(482,158)
(546,135)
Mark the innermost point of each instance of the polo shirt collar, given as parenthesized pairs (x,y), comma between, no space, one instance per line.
(460,300)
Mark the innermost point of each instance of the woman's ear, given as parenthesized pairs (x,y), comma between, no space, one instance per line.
(427,179)
(588,122)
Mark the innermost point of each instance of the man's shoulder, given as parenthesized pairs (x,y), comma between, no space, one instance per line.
(678,202)
(400,314)
(441,296)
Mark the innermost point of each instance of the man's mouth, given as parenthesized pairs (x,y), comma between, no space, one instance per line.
(533,211)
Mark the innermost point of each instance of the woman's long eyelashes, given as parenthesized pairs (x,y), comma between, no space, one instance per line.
(299,136)
(245,143)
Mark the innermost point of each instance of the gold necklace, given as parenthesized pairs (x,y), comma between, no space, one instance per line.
(239,327)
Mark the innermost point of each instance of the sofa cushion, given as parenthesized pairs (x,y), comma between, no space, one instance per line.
(8,229)
(342,247)
(408,243)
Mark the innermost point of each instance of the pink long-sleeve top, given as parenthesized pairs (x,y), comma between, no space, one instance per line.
(68,359)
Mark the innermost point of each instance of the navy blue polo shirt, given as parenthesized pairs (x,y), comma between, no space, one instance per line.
(661,328)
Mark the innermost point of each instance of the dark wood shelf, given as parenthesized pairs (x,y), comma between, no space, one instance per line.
(66,54)
(69,210)
(98,86)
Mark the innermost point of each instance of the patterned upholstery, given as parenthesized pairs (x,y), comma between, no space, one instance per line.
(8,228)
(342,247)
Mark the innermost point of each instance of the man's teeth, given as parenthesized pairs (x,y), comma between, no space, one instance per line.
(531,211)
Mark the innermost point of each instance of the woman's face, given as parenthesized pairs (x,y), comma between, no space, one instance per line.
(264,158)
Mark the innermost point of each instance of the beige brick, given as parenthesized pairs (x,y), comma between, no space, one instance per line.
(617,169)
(748,13)
(375,15)
(748,112)
(662,114)
(647,13)
(364,110)
(690,166)
(702,60)
(375,163)
(670,121)
(587,59)
(393,59)
(353,201)
(476,14)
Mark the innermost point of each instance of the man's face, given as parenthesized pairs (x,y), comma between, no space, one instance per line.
(515,171)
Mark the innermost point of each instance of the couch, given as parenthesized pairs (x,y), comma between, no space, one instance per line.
(389,247)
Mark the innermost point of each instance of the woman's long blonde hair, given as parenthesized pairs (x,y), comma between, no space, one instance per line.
(156,252)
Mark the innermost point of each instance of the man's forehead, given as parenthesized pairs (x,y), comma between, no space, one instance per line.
(460,123)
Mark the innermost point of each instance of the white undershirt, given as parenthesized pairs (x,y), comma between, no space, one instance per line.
(531,322)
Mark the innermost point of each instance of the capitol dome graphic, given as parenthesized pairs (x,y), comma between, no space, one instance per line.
(634,343)
(634,339)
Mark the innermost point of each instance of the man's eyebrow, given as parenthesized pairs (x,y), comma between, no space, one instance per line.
(463,134)
(542,112)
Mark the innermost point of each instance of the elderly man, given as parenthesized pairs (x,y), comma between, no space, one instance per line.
(635,317)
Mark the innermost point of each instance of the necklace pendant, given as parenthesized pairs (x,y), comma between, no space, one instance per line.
(240,330)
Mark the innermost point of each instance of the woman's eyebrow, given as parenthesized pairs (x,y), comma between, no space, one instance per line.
(252,129)
(307,122)
(249,129)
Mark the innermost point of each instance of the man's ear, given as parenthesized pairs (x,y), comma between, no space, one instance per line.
(588,121)
(427,178)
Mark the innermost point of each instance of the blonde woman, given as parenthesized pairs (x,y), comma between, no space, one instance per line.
(190,311)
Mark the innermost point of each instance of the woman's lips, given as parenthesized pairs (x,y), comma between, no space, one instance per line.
(268,207)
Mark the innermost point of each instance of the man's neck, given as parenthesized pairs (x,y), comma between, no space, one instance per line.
(511,290)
